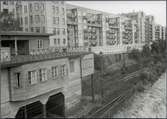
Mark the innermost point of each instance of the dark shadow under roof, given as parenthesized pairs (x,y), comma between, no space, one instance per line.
(21,33)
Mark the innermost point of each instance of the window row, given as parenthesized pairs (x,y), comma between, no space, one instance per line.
(34,7)
(57,10)
(57,41)
(56,20)
(36,19)
(38,29)
(56,31)
(41,75)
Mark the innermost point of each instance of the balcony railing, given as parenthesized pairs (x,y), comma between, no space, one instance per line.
(44,54)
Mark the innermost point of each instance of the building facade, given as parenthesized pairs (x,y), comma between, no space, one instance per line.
(160,32)
(74,26)
(149,29)
(47,84)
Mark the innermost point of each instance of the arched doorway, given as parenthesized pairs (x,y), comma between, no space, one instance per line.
(30,111)
(55,106)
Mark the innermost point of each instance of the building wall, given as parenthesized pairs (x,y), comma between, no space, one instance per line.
(26,93)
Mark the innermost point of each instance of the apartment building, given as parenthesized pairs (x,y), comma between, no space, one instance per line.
(84,26)
(41,17)
(160,32)
(149,29)
(139,17)
(45,84)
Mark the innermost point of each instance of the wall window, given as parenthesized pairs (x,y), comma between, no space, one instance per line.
(58,40)
(55,20)
(72,66)
(63,70)
(64,41)
(42,75)
(42,6)
(55,41)
(18,83)
(32,29)
(32,77)
(26,20)
(58,31)
(30,7)
(5,2)
(63,21)
(37,18)
(25,9)
(54,72)
(64,31)
(43,29)
(37,29)
(53,8)
(36,6)
(57,10)
(40,43)
(63,11)
(31,19)
(42,19)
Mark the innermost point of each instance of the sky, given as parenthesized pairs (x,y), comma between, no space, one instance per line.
(155,8)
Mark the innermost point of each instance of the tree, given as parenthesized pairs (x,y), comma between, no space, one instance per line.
(8,22)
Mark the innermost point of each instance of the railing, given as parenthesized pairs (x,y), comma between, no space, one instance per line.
(43,54)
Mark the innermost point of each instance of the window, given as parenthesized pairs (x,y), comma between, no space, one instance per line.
(5,10)
(5,3)
(55,41)
(42,19)
(72,66)
(58,41)
(37,18)
(26,20)
(42,6)
(32,29)
(53,7)
(31,19)
(42,75)
(58,31)
(25,9)
(57,10)
(63,21)
(64,41)
(54,72)
(64,31)
(30,7)
(40,43)
(26,29)
(63,11)
(18,83)
(36,6)
(63,70)
(37,29)
(32,77)
(55,20)
(43,29)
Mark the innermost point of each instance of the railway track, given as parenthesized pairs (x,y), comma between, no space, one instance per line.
(107,109)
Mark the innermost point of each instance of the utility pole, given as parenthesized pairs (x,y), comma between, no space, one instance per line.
(92,87)
(101,77)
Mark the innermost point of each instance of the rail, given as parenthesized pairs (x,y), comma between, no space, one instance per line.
(107,108)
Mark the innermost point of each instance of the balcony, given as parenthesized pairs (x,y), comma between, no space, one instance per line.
(43,54)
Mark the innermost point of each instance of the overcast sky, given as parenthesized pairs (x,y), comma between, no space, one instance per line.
(155,8)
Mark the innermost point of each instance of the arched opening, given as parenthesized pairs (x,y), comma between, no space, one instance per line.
(55,106)
(30,111)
